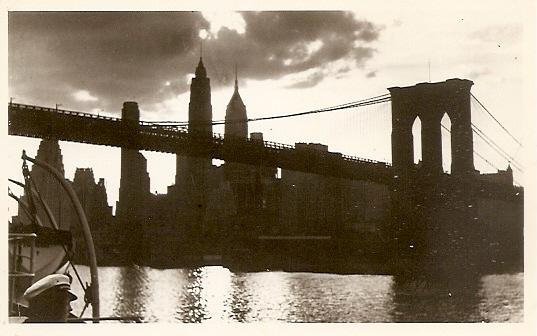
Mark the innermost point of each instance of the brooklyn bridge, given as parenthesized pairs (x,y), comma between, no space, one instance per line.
(437,219)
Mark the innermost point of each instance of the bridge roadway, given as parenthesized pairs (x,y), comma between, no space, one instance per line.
(49,123)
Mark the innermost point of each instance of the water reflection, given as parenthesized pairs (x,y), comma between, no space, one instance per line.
(502,298)
(132,290)
(192,303)
(270,296)
(436,300)
(216,286)
(239,299)
(165,289)
(339,298)
(216,294)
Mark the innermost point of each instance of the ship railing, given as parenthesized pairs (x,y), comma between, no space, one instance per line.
(16,241)
(123,319)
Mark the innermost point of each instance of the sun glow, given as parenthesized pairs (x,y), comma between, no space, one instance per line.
(230,20)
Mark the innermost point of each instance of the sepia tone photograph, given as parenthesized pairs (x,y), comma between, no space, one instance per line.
(355,165)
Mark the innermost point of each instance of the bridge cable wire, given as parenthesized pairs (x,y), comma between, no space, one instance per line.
(479,155)
(485,160)
(495,146)
(506,158)
(364,102)
(496,120)
(222,122)
(378,101)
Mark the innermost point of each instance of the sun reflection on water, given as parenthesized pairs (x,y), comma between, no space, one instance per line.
(214,294)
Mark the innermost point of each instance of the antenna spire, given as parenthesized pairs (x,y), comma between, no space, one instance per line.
(429,61)
(236,78)
(201,48)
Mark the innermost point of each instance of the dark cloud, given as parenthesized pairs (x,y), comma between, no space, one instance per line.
(118,56)
(278,43)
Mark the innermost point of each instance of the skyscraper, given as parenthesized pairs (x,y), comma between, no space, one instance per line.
(191,172)
(200,111)
(236,119)
(134,192)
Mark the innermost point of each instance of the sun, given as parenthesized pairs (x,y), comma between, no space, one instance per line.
(203,34)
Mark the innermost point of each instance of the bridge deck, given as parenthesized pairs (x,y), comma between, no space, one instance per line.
(49,123)
(42,122)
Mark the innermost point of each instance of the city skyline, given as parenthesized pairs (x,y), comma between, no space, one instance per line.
(358,64)
(423,235)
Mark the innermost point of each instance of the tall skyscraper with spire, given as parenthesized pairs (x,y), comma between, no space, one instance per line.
(200,110)
(191,171)
(236,119)
(241,177)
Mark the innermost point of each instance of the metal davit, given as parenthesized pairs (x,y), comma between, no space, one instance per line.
(94,287)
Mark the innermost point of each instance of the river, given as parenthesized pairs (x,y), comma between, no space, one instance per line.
(214,294)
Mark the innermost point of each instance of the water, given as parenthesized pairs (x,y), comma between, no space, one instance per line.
(214,294)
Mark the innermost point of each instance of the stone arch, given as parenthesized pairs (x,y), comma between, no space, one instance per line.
(431,101)
(416,140)
(447,154)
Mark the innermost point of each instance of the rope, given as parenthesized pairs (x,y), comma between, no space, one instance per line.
(68,255)
(28,191)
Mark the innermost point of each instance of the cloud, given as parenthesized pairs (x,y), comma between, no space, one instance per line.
(498,33)
(479,73)
(120,56)
(84,95)
(219,19)
(310,81)
(277,44)
(371,74)
(116,56)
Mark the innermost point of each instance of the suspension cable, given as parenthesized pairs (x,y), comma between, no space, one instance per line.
(496,120)
(495,146)
(476,153)
(364,102)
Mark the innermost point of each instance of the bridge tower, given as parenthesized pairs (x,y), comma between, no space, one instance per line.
(429,102)
(429,207)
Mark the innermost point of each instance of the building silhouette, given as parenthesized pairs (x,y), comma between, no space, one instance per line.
(134,194)
(94,200)
(237,214)
(236,118)
(92,196)
(49,189)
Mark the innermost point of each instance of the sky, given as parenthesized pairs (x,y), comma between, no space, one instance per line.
(287,61)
